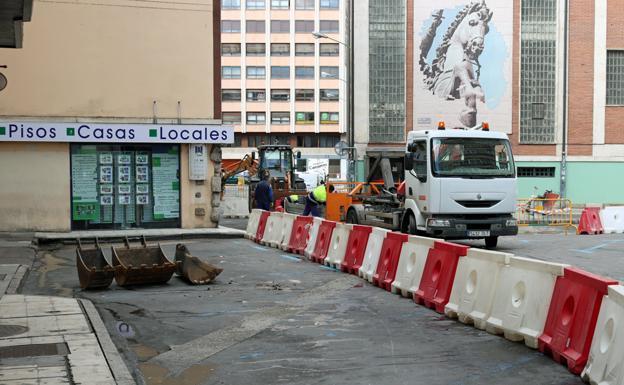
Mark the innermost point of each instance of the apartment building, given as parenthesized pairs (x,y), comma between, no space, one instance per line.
(280,83)
(549,73)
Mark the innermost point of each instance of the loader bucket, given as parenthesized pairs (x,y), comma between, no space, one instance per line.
(141,265)
(193,269)
(94,271)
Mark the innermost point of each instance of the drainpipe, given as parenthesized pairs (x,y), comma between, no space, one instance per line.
(564,145)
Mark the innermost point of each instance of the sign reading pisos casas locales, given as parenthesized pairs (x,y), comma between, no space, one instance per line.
(114,133)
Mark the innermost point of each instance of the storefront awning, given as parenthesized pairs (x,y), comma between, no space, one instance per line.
(13,13)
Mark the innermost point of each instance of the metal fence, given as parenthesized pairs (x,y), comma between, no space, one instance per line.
(544,212)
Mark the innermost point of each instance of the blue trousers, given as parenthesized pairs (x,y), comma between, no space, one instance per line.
(311,207)
(264,205)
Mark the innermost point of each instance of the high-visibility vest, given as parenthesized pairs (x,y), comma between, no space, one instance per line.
(320,194)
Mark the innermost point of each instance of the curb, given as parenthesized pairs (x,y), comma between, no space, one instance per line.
(16,281)
(116,364)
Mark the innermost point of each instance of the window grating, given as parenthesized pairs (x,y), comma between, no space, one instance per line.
(387,71)
(615,78)
(538,71)
(536,172)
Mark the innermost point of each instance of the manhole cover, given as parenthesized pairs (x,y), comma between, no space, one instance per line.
(34,350)
(11,330)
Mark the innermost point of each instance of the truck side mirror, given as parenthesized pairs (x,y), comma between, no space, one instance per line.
(409,161)
(298,154)
(253,155)
(302,165)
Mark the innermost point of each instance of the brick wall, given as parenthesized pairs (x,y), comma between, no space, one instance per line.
(614,130)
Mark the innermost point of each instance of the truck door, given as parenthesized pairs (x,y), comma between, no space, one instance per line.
(417,186)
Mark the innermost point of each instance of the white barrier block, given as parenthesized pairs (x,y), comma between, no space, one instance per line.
(605,365)
(338,245)
(474,287)
(612,218)
(372,253)
(284,236)
(252,223)
(523,293)
(411,265)
(316,224)
(273,229)
(235,207)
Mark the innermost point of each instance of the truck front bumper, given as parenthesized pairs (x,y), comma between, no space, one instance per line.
(471,227)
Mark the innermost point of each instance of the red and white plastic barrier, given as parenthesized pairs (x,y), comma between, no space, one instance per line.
(612,218)
(264,217)
(316,225)
(356,246)
(474,288)
(299,235)
(389,260)
(411,265)
(338,245)
(522,299)
(371,255)
(285,231)
(323,238)
(272,230)
(252,223)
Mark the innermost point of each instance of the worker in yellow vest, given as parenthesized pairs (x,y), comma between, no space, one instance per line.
(317,197)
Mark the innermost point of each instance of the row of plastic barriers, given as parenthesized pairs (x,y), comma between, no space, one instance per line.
(595,220)
(574,316)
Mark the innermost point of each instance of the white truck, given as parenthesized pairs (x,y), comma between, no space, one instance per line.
(459,184)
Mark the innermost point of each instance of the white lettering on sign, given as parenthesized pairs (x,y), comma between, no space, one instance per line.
(115,133)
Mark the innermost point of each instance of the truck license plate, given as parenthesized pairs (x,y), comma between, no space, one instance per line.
(479,233)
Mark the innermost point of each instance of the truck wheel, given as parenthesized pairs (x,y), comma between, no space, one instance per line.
(411,225)
(491,242)
(352,217)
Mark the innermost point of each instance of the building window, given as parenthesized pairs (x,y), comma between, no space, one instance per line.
(280,4)
(329,95)
(230,26)
(280,72)
(304,72)
(230,49)
(255,4)
(329,72)
(329,118)
(280,26)
(256,118)
(304,49)
(230,72)
(237,141)
(330,4)
(280,95)
(230,4)
(256,72)
(386,35)
(280,49)
(317,140)
(304,117)
(231,117)
(329,26)
(280,117)
(255,26)
(231,95)
(538,67)
(304,26)
(615,78)
(536,172)
(259,140)
(304,95)
(329,49)
(304,4)
(256,49)
(256,95)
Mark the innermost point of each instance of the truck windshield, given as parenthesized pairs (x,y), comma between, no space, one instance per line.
(277,162)
(472,158)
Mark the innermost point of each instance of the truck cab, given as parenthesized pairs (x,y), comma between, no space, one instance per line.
(460,184)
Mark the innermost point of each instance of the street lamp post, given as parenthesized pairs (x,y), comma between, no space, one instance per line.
(350,132)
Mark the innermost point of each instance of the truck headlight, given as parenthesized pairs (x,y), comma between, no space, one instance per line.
(511,223)
(439,223)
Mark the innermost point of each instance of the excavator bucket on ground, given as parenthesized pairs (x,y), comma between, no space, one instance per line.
(94,271)
(141,265)
(193,269)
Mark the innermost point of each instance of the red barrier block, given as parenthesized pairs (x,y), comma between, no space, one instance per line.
(590,222)
(438,275)
(299,235)
(322,241)
(572,317)
(261,226)
(389,260)
(356,246)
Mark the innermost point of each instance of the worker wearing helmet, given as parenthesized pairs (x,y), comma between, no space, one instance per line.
(317,197)
(264,193)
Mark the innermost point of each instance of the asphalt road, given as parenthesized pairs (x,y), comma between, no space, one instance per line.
(271,318)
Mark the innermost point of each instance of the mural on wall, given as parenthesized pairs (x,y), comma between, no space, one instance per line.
(463,64)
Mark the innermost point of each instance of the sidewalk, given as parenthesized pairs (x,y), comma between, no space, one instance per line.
(51,340)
